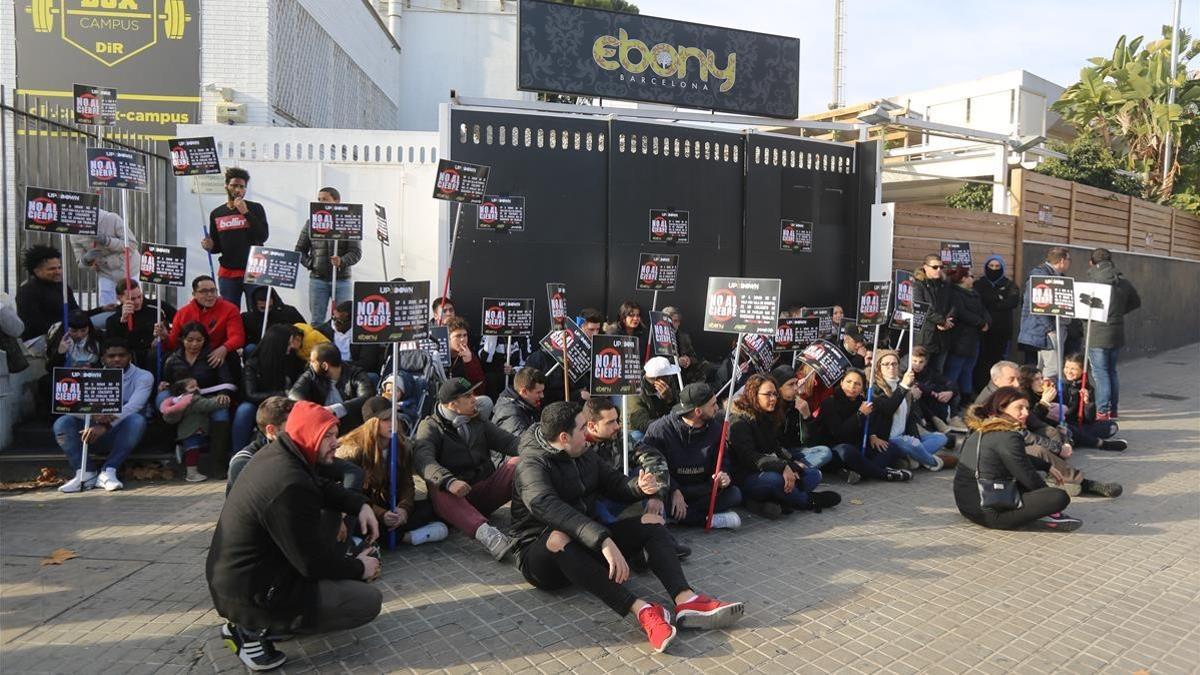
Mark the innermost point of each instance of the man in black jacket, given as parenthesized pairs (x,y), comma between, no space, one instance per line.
(338,329)
(272,566)
(558,480)
(252,319)
(146,326)
(454,455)
(1108,337)
(40,297)
(931,288)
(520,406)
(321,257)
(233,228)
(340,387)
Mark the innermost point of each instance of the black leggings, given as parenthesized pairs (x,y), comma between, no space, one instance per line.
(872,464)
(583,567)
(1034,504)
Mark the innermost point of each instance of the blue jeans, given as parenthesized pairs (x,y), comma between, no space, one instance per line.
(815,457)
(118,442)
(318,297)
(768,487)
(871,464)
(1104,374)
(961,371)
(234,290)
(243,424)
(920,449)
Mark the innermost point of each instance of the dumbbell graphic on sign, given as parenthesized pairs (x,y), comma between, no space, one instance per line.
(174,15)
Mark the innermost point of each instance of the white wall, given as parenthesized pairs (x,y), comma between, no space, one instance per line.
(284,179)
(352,24)
(234,48)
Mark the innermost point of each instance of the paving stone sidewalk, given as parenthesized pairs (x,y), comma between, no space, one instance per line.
(893,580)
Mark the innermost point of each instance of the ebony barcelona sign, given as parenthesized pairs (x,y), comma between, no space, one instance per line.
(592,52)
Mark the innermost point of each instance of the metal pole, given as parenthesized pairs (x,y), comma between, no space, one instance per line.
(204,224)
(83,460)
(383,259)
(912,331)
(1171,91)
(654,302)
(450,261)
(566,367)
(507,358)
(125,225)
(625,434)
(333,281)
(1087,341)
(392,461)
(267,313)
(158,341)
(870,388)
(1058,338)
(66,300)
(900,341)
(712,498)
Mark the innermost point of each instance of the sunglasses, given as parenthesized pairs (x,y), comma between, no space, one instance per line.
(934,267)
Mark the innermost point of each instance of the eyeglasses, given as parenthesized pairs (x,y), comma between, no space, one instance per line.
(934,267)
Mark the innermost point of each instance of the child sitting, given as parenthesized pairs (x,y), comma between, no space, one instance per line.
(190,410)
(1081,410)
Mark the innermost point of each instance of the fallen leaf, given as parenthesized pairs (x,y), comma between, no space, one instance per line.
(856,502)
(59,556)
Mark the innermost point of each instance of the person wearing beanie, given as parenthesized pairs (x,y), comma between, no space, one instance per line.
(794,431)
(1001,296)
(454,449)
(274,565)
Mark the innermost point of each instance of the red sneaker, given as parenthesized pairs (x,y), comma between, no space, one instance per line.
(656,621)
(1104,417)
(706,612)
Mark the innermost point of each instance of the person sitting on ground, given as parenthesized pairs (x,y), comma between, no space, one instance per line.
(219,317)
(693,367)
(117,435)
(147,329)
(1040,394)
(79,348)
(338,329)
(854,346)
(274,565)
(454,455)
(191,411)
(630,322)
(464,363)
(520,406)
(367,447)
(557,480)
(252,319)
(893,421)
(773,481)
(657,396)
(995,451)
(40,297)
(688,439)
(1005,374)
(937,397)
(270,371)
(794,431)
(340,386)
(841,420)
(193,360)
(1086,430)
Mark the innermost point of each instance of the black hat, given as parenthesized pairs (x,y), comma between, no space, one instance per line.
(454,388)
(78,320)
(378,407)
(783,373)
(693,396)
(853,332)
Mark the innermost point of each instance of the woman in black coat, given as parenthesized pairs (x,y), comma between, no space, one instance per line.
(270,371)
(840,423)
(971,320)
(996,450)
(1001,296)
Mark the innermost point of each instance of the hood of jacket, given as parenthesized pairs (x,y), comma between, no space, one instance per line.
(1104,273)
(1003,270)
(975,423)
(307,425)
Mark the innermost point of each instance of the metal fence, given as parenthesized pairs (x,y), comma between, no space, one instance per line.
(42,146)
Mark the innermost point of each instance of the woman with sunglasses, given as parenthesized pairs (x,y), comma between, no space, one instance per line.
(893,421)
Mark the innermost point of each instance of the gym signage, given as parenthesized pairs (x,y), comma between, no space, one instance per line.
(642,58)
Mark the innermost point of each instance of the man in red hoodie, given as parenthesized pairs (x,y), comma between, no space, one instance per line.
(274,566)
(219,317)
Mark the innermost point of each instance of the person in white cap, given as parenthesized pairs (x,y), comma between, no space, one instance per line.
(657,397)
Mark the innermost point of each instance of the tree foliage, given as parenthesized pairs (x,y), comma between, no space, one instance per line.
(971,196)
(1090,162)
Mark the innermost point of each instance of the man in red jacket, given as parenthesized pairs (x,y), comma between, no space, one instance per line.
(219,317)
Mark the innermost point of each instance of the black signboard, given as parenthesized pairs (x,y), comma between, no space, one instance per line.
(742,305)
(461,182)
(387,311)
(1052,296)
(662,335)
(825,314)
(436,344)
(381,227)
(761,350)
(508,317)
(795,236)
(828,361)
(616,366)
(873,299)
(579,347)
(502,213)
(795,333)
(162,264)
(657,272)
(194,156)
(556,299)
(86,391)
(343,222)
(61,212)
(956,254)
(920,310)
(590,52)
(95,105)
(669,227)
(118,169)
(266,266)
(903,284)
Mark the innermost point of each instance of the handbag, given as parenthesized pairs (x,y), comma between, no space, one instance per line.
(996,494)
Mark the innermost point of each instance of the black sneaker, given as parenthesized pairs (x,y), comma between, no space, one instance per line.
(682,551)
(256,653)
(1114,445)
(1110,490)
(768,510)
(823,500)
(898,475)
(1060,522)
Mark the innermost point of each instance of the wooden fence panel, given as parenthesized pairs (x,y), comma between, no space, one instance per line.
(919,231)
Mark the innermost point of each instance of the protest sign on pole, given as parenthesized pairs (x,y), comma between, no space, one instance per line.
(87,392)
(669,226)
(616,368)
(657,272)
(825,315)
(792,333)
(381,233)
(163,265)
(829,362)
(116,169)
(501,213)
(267,266)
(903,285)
(577,354)
(795,236)
(742,305)
(194,156)
(337,223)
(1091,304)
(956,254)
(458,182)
(556,300)
(873,297)
(1052,295)
(664,341)
(61,211)
(508,317)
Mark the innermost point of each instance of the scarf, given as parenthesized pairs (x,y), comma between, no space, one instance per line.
(461,423)
(900,419)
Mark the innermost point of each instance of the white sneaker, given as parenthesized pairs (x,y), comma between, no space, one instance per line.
(194,476)
(727,519)
(108,480)
(937,465)
(75,484)
(435,531)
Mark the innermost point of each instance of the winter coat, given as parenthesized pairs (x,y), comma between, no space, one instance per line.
(442,455)
(1001,456)
(39,305)
(376,486)
(691,454)
(252,320)
(107,248)
(366,356)
(254,389)
(1036,328)
(1125,299)
(141,338)
(754,444)
(554,491)
(886,407)
(513,414)
(222,321)
(1000,298)
(939,298)
(233,233)
(1035,423)
(315,253)
(354,387)
(268,551)
(1071,396)
(191,413)
(176,368)
(649,406)
(970,316)
(795,432)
